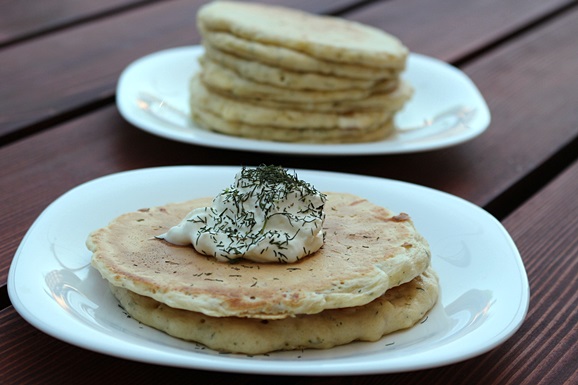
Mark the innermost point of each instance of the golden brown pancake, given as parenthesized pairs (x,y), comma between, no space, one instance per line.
(322,37)
(399,308)
(285,78)
(290,59)
(368,249)
(227,82)
(212,122)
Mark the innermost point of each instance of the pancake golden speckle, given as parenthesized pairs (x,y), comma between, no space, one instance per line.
(365,253)
(399,308)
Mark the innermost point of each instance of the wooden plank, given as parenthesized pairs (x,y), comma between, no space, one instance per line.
(451,30)
(545,230)
(31,357)
(531,94)
(24,19)
(83,63)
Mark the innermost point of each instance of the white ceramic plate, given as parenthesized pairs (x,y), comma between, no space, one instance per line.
(439,90)
(484,296)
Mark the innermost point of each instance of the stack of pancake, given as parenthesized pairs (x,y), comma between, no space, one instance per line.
(274,73)
(371,277)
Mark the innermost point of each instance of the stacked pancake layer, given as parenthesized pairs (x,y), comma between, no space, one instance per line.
(274,73)
(371,277)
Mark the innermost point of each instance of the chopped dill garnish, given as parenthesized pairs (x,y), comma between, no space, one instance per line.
(261,192)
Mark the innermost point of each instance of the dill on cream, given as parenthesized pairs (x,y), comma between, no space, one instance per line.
(267,215)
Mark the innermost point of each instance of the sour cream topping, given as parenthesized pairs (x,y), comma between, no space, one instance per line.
(267,215)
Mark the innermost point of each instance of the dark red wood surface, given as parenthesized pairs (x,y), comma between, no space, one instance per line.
(25,19)
(59,127)
(455,30)
(76,68)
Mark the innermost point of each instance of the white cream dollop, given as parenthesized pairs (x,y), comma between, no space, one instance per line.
(267,215)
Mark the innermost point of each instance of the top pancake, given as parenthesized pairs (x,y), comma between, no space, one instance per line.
(368,250)
(323,37)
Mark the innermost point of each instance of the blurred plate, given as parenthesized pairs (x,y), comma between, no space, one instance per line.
(446,104)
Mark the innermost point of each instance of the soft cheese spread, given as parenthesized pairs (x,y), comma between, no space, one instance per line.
(267,215)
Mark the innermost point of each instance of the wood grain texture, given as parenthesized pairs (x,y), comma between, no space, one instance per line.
(449,29)
(25,19)
(532,98)
(80,65)
(20,20)
(77,67)
(31,357)
(545,229)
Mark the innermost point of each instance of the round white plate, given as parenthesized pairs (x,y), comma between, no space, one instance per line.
(484,288)
(444,96)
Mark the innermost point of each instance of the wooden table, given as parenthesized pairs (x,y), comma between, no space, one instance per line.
(59,127)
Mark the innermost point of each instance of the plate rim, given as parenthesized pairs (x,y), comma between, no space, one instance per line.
(272,367)
(211,139)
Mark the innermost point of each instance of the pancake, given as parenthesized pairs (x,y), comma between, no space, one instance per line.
(235,110)
(281,57)
(212,122)
(392,101)
(281,77)
(226,81)
(399,308)
(368,250)
(322,37)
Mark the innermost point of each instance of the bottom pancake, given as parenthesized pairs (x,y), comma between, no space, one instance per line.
(211,122)
(399,308)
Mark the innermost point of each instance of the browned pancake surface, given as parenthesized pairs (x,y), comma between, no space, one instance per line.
(368,250)
(399,308)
